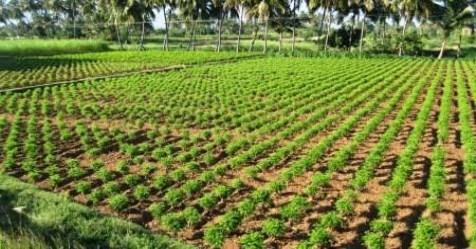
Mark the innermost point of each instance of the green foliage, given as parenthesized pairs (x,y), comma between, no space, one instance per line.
(118,202)
(253,240)
(141,192)
(274,227)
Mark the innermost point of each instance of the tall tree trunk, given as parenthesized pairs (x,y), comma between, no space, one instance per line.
(361,46)
(458,54)
(402,38)
(128,32)
(239,29)
(255,34)
(352,24)
(384,33)
(118,36)
(294,26)
(220,23)
(192,33)
(329,22)
(142,35)
(280,41)
(74,19)
(442,50)
(265,49)
(322,23)
(166,37)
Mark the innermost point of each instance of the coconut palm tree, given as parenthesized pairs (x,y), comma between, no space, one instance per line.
(161,6)
(453,15)
(194,11)
(238,8)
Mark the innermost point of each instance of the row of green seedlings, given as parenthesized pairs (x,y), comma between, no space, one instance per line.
(295,144)
(273,227)
(238,121)
(122,111)
(321,232)
(386,206)
(468,140)
(316,127)
(209,200)
(54,72)
(229,222)
(426,232)
(85,108)
(311,128)
(50,70)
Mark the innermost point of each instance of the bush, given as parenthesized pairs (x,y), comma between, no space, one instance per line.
(104,175)
(111,188)
(141,192)
(83,187)
(161,182)
(295,208)
(157,209)
(214,236)
(174,196)
(274,227)
(178,175)
(118,202)
(123,167)
(131,179)
(96,196)
(192,216)
(174,222)
(254,240)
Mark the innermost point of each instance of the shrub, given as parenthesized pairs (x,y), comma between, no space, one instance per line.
(111,188)
(173,222)
(54,180)
(83,187)
(104,175)
(191,187)
(254,240)
(294,209)
(76,173)
(157,209)
(274,227)
(118,202)
(214,236)
(192,216)
(178,175)
(148,169)
(123,167)
(174,196)
(96,165)
(141,192)
(131,180)
(96,196)
(161,182)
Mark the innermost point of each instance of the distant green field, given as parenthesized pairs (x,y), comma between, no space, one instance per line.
(50,47)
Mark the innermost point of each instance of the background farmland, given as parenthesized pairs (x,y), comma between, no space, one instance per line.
(227,150)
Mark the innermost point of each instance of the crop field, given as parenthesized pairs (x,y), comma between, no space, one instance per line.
(258,153)
(37,70)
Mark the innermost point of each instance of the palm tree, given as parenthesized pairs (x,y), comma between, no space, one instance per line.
(17,11)
(194,11)
(140,10)
(161,5)
(237,7)
(453,15)
(4,12)
(315,5)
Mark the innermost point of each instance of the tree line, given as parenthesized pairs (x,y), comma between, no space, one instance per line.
(91,18)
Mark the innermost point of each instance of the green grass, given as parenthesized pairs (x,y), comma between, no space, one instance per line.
(50,220)
(50,47)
